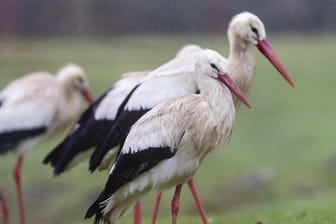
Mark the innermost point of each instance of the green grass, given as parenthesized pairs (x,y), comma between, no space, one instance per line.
(278,168)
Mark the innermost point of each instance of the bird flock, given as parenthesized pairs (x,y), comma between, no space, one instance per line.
(151,130)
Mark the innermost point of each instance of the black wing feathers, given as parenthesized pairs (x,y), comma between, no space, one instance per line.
(89,133)
(10,139)
(128,167)
(118,132)
(116,136)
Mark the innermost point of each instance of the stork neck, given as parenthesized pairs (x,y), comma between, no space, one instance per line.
(237,44)
(70,98)
(241,66)
(217,95)
(221,106)
(67,89)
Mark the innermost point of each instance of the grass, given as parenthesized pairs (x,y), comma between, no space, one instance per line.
(278,168)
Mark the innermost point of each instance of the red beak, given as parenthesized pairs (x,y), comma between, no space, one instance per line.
(266,49)
(87,96)
(228,82)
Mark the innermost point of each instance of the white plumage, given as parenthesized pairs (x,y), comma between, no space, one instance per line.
(108,107)
(165,147)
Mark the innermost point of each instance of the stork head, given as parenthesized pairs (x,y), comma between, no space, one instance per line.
(247,28)
(212,64)
(73,76)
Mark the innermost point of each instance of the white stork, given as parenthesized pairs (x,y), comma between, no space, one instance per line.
(165,147)
(245,29)
(37,106)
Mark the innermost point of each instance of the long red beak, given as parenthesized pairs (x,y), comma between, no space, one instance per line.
(266,49)
(87,95)
(226,79)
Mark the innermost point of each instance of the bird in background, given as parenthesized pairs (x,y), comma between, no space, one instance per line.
(35,107)
(166,146)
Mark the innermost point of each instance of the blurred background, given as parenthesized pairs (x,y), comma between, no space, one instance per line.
(106,18)
(280,164)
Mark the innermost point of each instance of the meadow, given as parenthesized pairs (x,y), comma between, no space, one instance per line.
(279,167)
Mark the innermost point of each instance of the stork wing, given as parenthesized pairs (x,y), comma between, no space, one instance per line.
(109,106)
(24,116)
(175,78)
(155,137)
(170,80)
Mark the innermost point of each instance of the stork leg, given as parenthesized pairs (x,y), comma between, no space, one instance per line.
(137,213)
(175,204)
(197,199)
(156,207)
(17,177)
(4,209)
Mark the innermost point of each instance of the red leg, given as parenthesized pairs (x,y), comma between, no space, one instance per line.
(175,204)
(137,213)
(198,202)
(17,177)
(4,209)
(156,207)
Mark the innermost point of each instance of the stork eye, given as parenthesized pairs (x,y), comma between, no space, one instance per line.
(255,31)
(214,67)
(80,80)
